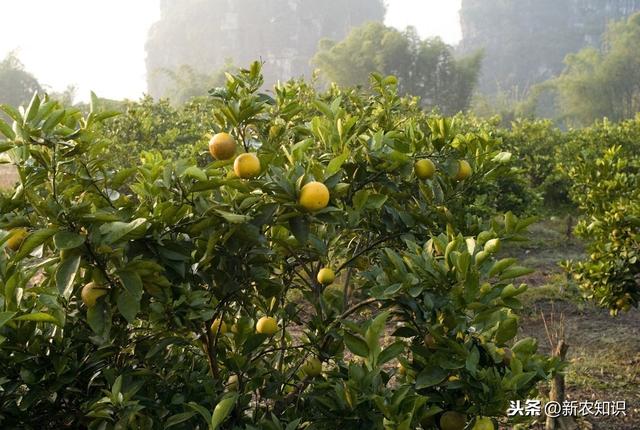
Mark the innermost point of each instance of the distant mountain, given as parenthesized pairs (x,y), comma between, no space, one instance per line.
(525,41)
(206,34)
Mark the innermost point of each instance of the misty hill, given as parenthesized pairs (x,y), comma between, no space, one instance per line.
(207,34)
(526,41)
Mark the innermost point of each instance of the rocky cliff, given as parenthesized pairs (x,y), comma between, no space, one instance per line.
(525,41)
(206,34)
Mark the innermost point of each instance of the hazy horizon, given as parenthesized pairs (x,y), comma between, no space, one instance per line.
(96,54)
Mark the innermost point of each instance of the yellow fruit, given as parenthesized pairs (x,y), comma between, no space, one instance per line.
(452,420)
(90,294)
(246,166)
(232,383)
(312,367)
(401,369)
(267,325)
(326,276)
(425,169)
(222,146)
(483,423)
(314,196)
(17,237)
(218,326)
(464,170)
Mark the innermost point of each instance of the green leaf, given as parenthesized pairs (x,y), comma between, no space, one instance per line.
(67,240)
(106,115)
(34,240)
(128,305)
(526,346)
(32,109)
(97,317)
(501,265)
(356,345)
(66,274)
(252,342)
(430,376)
(390,352)
(360,199)
(507,330)
(375,331)
(116,388)
(5,317)
(515,272)
(233,218)
(502,157)
(6,130)
(472,360)
(118,231)
(375,201)
(293,425)
(178,419)
(132,283)
(12,112)
(53,120)
(93,103)
(510,222)
(195,172)
(222,410)
(38,317)
(335,164)
(201,410)
(300,229)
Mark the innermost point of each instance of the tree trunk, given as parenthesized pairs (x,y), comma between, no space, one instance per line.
(556,394)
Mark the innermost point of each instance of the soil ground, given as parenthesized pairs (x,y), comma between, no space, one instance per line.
(8,177)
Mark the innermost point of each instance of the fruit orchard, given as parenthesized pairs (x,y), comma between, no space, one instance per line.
(304,259)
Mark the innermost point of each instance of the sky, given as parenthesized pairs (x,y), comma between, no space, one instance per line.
(99,45)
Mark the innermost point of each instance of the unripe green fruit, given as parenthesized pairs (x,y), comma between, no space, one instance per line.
(492,246)
(483,423)
(428,422)
(425,169)
(312,367)
(452,420)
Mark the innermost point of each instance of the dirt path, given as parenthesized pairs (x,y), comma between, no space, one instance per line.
(604,351)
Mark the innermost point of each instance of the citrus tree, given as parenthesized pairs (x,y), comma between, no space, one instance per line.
(146,125)
(604,168)
(326,267)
